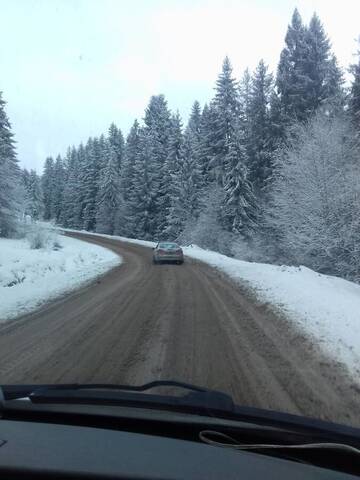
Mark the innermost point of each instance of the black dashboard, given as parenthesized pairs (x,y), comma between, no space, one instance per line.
(45,450)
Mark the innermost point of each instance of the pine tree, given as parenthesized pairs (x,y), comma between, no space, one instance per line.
(100,153)
(34,197)
(71,197)
(244,104)
(158,124)
(277,123)
(131,153)
(187,179)
(308,75)
(90,184)
(170,168)
(9,175)
(25,178)
(186,188)
(334,96)
(354,101)
(48,187)
(321,68)
(292,82)
(194,123)
(193,136)
(239,206)
(108,193)
(258,131)
(59,185)
(117,142)
(81,194)
(157,128)
(123,223)
(143,201)
(226,107)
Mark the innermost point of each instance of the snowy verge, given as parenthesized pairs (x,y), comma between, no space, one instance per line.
(143,243)
(325,308)
(29,278)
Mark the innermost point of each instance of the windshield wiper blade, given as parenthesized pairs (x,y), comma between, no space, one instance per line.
(11,392)
(133,388)
(196,400)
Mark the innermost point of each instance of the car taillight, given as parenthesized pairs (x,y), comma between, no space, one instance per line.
(162,252)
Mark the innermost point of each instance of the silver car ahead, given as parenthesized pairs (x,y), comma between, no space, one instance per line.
(168,252)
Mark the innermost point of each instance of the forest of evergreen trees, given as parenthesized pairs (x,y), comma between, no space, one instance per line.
(268,170)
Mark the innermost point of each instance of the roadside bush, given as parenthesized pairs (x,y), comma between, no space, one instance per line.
(41,237)
(38,238)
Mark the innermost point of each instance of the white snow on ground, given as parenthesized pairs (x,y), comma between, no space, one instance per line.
(325,308)
(29,278)
(144,243)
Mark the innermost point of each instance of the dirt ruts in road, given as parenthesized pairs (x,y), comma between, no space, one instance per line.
(142,322)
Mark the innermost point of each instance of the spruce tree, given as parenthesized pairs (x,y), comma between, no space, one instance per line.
(35,204)
(90,184)
(108,193)
(82,169)
(143,201)
(71,198)
(186,187)
(226,107)
(59,185)
(239,206)
(258,134)
(244,104)
(194,123)
(169,169)
(117,142)
(292,81)
(48,187)
(308,75)
(9,175)
(325,76)
(354,100)
(123,223)
(157,132)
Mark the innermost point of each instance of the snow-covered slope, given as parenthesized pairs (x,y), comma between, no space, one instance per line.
(326,308)
(29,278)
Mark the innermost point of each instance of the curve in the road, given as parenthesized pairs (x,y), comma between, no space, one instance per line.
(142,322)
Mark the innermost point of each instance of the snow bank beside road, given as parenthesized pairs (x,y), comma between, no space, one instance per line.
(29,278)
(326,308)
(143,243)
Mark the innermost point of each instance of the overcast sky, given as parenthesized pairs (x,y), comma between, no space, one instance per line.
(71,67)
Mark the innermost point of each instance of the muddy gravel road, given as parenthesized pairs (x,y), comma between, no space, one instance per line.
(141,322)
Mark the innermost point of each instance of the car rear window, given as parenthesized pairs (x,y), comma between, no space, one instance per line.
(170,246)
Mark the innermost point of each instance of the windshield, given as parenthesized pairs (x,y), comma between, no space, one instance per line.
(179,198)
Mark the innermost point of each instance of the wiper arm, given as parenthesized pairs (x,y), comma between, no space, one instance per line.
(11,392)
(196,400)
(132,388)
